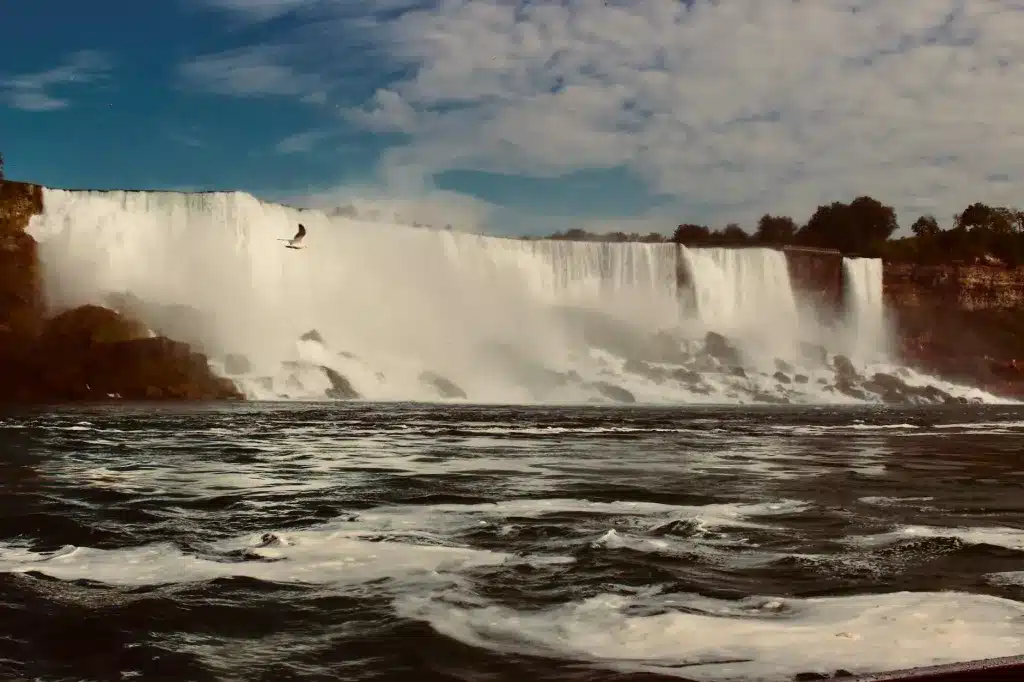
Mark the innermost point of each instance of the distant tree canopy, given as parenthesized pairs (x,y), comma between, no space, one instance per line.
(1,165)
(865,227)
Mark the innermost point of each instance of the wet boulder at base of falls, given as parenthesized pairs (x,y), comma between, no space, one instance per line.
(313,335)
(844,368)
(236,363)
(341,388)
(613,392)
(783,366)
(718,347)
(446,388)
(893,390)
(86,353)
(813,354)
(645,369)
(93,353)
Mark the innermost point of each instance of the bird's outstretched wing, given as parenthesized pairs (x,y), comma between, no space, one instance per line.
(294,242)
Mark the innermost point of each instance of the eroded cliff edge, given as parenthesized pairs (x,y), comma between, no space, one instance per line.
(85,353)
(961,321)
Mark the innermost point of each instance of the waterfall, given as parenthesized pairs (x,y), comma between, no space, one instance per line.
(400,309)
(865,308)
(746,294)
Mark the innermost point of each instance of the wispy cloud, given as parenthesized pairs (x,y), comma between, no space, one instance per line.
(737,107)
(35,91)
(303,142)
(248,72)
(186,137)
(255,10)
(436,208)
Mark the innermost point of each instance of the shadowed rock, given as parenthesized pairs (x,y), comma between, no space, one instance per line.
(687,376)
(783,366)
(782,378)
(445,387)
(614,392)
(892,389)
(719,348)
(647,370)
(93,353)
(341,388)
(814,354)
(844,368)
(312,335)
(236,363)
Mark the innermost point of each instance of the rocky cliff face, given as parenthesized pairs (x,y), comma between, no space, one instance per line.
(967,287)
(87,353)
(817,277)
(21,307)
(964,322)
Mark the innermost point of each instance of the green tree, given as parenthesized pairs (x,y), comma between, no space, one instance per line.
(688,233)
(861,226)
(733,234)
(775,229)
(925,227)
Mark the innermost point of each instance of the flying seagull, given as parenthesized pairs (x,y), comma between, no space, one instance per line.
(296,241)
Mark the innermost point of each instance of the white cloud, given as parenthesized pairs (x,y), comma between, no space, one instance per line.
(743,105)
(302,142)
(32,91)
(257,10)
(436,208)
(737,107)
(251,71)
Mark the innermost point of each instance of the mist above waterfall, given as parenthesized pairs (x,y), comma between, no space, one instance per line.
(400,311)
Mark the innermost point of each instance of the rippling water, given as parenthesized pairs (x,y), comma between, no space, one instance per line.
(387,542)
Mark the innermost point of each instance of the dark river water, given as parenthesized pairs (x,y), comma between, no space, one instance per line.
(424,542)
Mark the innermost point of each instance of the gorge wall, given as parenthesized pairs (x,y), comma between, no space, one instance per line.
(960,320)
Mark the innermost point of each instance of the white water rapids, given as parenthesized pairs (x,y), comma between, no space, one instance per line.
(504,320)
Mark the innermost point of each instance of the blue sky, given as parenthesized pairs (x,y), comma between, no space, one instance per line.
(529,115)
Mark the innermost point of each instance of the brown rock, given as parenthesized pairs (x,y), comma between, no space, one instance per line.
(86,353)
(91,353)
(21,302)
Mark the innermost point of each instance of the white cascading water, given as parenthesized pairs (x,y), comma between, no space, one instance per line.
(745,294)
(865,308)
(504,320)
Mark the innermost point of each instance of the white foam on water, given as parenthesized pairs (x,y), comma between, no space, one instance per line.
(319,556)
(505,320)
(1007,579)
(1009,538)
(404,541)
(763,639)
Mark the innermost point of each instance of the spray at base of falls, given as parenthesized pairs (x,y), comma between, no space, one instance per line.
(418,314)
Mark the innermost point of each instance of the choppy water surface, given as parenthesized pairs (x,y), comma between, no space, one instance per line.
(386,542)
